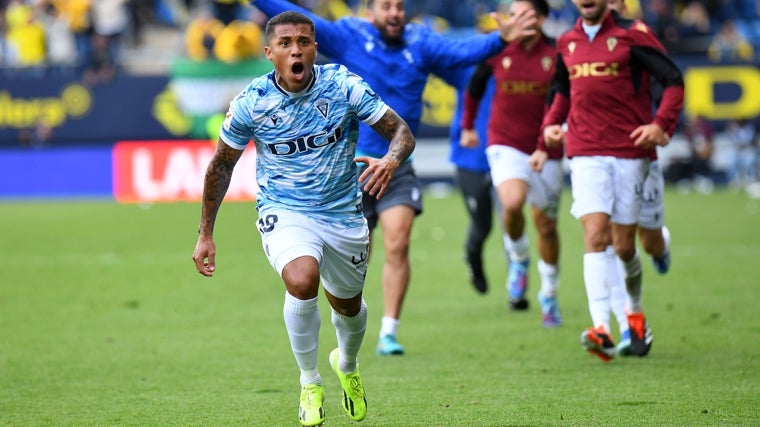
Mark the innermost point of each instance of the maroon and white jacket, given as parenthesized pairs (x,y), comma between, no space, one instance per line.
(603,88)
(523,77)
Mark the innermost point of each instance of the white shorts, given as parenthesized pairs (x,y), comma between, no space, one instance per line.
(652,216)
(610,185)
(341,252)
(544,188)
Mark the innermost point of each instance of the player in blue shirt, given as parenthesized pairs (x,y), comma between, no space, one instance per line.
(304,122)
(396,58)
(473,176)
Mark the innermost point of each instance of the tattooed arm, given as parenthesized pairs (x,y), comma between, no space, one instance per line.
(380,171)
(215,185)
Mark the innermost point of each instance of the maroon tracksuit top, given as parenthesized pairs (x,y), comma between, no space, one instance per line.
(523,77)
(603,88)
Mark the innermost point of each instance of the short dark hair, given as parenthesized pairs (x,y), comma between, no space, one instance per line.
(287,17)
(541,6)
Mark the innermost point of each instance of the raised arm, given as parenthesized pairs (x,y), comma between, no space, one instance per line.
(329,35)
(380,171)
(215,185)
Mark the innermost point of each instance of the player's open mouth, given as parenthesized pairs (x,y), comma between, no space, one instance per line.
(587,5)
(297,69)
(393,26)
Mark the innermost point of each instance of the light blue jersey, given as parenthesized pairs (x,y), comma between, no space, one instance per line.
(306,141)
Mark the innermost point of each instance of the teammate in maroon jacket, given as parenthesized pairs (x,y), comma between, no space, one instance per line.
(603,93)
(523,74)
(653,234)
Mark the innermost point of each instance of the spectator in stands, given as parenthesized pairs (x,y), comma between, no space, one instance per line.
(26,40)
(77,14)
(694,21)
(661,18)
(201,35)
(743,167)
(110,19)
(100,68)
(729,45)
(61,43)
(227,10)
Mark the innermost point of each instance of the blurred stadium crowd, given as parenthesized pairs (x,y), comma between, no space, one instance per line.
(38,37)
(87,39)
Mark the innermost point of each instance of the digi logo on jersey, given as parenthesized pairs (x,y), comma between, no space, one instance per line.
(592,69)
(520,87)
(305,143)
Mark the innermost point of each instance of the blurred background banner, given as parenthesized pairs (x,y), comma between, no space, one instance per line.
(129,107)
(172,171)
(56,173)
(84,75)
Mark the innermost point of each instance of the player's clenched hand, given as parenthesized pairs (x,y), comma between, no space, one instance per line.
(204,256)
(378,174)
(649,136)
(553,135)
(468,138)
(537,160)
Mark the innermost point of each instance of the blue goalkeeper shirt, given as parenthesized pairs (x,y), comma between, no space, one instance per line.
(306,141)
(398,73)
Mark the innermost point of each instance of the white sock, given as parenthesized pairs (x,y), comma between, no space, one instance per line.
(302,322)
(518,250)
(350,333)
(597,291)
(633,283)
(618,294)
(549,278)
(388,326)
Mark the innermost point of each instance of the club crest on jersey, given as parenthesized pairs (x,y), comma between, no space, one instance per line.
(546,63)
(506,62)
(571,47)
(611,43)
(274,117)
(322,106)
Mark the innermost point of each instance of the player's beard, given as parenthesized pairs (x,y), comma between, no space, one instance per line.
(595,15)
(392,39)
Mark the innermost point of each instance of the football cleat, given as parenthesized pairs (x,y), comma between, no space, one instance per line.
(624,347)
(599,343)
(388,346)
(641,335)
(517,284)
(477,276)
(311,412)
(550,316)
(354,401)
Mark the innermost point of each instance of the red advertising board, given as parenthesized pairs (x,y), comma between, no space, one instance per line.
(173,171)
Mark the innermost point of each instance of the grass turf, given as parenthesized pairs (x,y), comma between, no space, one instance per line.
(104,321)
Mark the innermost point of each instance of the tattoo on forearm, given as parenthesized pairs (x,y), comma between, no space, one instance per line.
(216,182)
(395,129)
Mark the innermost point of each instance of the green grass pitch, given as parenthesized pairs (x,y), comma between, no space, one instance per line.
(104,322)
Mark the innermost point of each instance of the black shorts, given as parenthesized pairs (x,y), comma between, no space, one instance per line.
(404,189)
